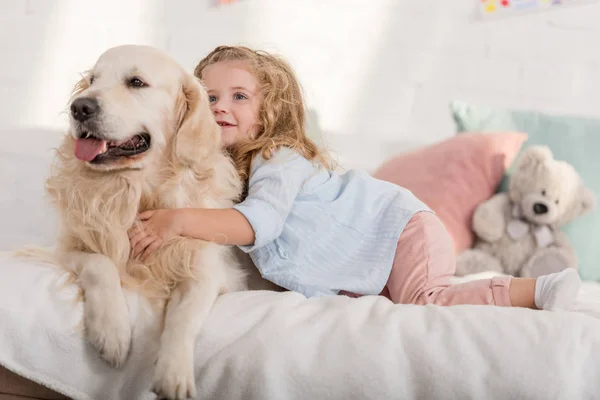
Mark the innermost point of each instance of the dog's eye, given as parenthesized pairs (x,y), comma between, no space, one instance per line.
(92,79)
(543,192)
(136,83)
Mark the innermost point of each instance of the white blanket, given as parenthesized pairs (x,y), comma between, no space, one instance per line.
(265,345)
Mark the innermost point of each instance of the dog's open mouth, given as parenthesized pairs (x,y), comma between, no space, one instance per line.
(95,150)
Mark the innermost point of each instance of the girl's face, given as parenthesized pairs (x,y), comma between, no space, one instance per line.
(234,99)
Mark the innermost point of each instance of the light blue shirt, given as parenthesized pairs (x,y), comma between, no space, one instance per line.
(318,232)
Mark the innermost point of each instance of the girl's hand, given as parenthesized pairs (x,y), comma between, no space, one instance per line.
(154,229)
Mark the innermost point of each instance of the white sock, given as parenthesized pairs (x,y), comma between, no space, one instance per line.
(557,291)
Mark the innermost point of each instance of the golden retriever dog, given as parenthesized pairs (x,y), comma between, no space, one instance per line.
(141,137)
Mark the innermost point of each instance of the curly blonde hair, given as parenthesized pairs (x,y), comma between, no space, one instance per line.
(282,113)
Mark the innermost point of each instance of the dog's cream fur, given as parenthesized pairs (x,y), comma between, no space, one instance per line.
(184,167)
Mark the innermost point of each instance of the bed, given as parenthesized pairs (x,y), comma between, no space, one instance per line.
(273,345)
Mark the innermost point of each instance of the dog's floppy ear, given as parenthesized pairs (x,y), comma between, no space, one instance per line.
(198,132)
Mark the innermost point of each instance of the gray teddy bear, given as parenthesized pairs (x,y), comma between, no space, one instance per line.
(518,232)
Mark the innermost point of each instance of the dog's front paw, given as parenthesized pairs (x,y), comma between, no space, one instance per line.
(107,325)
(174,376)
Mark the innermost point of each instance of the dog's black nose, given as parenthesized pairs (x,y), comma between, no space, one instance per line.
(84,108)
(540,208)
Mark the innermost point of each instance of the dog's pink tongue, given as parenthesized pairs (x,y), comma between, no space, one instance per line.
(87,149)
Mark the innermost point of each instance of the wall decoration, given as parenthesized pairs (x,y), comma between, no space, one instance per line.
(217,3)
(500,8)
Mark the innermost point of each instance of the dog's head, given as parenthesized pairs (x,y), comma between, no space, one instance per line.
(134,103)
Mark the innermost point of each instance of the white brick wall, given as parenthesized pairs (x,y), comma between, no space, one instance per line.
(380,73)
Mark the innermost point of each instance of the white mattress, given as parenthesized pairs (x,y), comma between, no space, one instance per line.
(267,345)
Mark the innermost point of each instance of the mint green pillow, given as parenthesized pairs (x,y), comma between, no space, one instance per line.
(571,138)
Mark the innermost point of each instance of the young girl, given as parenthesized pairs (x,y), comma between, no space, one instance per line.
(311,230)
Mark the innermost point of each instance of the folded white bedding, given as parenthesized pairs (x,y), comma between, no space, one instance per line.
(267,345)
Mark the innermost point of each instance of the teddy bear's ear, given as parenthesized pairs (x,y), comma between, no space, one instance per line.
(588,200)
(535,155)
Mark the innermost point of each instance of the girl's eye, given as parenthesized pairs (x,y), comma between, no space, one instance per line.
(240,96)
(212,99)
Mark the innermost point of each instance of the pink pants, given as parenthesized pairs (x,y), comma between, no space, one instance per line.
(425,261)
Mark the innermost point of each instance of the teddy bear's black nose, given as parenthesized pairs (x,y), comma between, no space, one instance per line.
(540,208)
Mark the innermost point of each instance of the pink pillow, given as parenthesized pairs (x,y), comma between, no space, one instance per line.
(454,176)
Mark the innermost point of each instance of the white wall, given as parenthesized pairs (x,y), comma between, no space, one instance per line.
(380,73)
